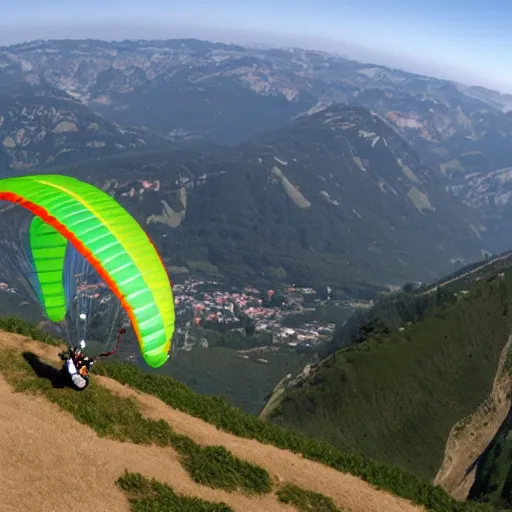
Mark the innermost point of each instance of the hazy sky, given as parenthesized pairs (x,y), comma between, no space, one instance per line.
(465,40)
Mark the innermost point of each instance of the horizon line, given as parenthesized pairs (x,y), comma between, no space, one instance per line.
(260,45)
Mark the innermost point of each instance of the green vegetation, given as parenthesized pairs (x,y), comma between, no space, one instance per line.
(223,335)
(493,479)
(19,326)
(306,501)
(150,495)
(119,418)
(478,269)
(216,467)
(394,310)
(396,396)
(221,371)
(219,413)
(389,313)
(330,312)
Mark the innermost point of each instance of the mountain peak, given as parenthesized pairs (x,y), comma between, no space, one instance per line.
(346,118)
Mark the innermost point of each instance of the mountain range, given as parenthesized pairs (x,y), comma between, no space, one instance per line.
(336,198)
(190,89)
(38,131)
(243,163)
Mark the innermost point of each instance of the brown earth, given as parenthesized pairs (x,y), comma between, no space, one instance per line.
(471,436)
(50,462)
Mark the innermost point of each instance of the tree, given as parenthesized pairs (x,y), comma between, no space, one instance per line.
(249,326)
(408,287)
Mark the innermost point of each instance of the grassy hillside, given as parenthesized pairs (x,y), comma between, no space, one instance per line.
(217,412)
(394,310)
(107,416)
(395,397)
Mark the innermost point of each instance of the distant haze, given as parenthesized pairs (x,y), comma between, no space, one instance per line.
(470,42)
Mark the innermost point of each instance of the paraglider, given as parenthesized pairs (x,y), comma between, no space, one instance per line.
(80,250)
(76,367)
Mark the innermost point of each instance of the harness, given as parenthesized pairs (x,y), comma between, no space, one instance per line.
(83,363)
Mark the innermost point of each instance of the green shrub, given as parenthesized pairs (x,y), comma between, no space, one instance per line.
(306,501)
(216,467)
(152,496)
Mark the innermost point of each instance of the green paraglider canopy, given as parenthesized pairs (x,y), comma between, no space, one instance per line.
(68,212)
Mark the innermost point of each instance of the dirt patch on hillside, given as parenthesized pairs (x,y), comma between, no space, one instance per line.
(48,457)
(470,437)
